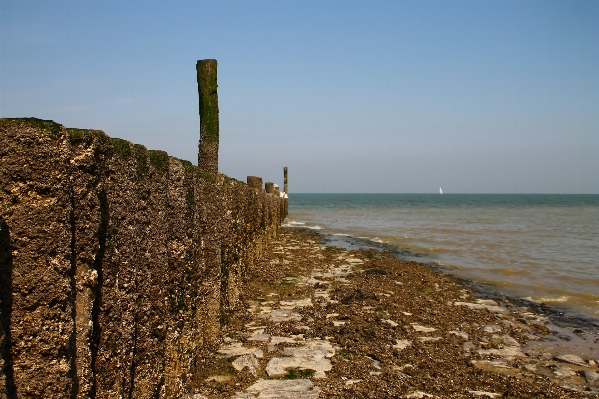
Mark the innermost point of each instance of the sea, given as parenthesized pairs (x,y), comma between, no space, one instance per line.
(536,247)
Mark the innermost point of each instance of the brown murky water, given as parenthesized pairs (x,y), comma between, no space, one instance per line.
(541,247)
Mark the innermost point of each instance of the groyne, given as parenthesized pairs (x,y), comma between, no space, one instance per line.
(118,265)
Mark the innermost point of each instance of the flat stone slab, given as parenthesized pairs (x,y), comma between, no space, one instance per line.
(283,314)
(418,328)
(312,355)
(314,349)
(402,344)
(248,361)
(460,334)
(480,306)
(283,389)
(509,353)
(492,328)
(577,360)
(278,366)
(297,303)
(487,394)
(592,378)
(237,349)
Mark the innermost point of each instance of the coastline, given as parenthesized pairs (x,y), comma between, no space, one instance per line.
(324,321)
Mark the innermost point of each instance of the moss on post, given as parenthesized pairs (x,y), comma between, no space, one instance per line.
(209,130)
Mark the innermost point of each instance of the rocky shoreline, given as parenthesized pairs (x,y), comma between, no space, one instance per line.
(323,321)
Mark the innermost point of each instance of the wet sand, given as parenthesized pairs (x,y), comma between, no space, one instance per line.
(323,321)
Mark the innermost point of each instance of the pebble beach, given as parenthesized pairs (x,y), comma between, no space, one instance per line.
(319,321)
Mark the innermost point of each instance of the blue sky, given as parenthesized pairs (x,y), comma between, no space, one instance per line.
(353,96)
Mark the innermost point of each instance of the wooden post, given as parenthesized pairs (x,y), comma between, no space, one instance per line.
(255,181)
(269,187)
(285,187)
(209,131)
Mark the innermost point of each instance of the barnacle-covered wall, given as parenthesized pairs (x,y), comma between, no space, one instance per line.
(117,264)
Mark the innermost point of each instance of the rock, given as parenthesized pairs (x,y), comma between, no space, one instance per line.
(419,394)
(297,303)
(391,322)
(459,334)
(278,366)
(423,329)
(509,341)
(283,314)
(592,378)
(492,328)
(248,361)
(487,394)
(531,368)
(352,382)
(480,306)
(259,337)
(468,346)
(401,344)
(508,353)
(237,349)
(282,389)
(577,360)
(563,371)
(313,355)
(429,339)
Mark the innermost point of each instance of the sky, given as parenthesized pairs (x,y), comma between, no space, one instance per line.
(352,96)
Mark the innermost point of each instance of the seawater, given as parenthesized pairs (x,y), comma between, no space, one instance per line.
(544,248)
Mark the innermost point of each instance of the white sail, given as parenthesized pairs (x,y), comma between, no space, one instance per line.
(440,190)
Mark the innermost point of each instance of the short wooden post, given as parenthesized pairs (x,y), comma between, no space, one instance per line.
(209,130)
(269,187)
(255,182)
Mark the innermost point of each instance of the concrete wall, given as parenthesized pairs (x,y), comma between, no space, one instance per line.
(117,264)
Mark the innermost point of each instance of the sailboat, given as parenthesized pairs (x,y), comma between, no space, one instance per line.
(440,190)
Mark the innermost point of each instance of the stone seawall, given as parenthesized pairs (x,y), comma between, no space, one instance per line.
(117,264)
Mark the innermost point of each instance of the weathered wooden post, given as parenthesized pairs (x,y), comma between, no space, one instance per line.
(255,182)
(269,187)
(286,195)
(208,147)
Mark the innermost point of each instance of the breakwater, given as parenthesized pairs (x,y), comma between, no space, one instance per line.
(118,265)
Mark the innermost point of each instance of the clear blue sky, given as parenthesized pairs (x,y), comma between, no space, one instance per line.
(353,96)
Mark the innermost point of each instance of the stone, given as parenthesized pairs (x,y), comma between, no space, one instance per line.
(487,394)
(248,361)
(259,337)
(480,306)
(429,339)
(468,346)
(563,371)
(418,328)
(419,394)
(278,366)
(577,360)
(297,303)
(283,389)
(509,353)
(459,334)
(509,341)
(492,328)
(592,378)
(237,349)
(391,322)
(401,344)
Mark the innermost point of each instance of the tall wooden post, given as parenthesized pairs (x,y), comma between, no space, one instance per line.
(285,187)
(208,147)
